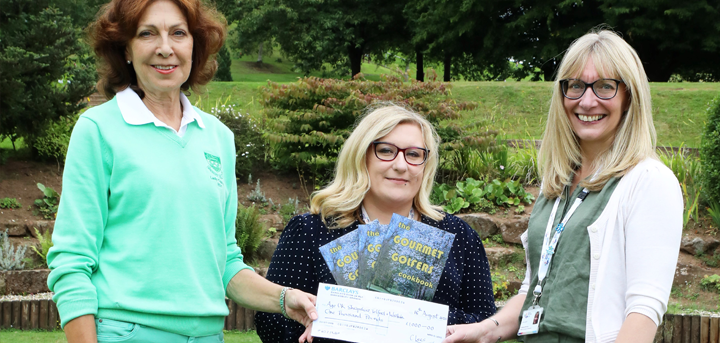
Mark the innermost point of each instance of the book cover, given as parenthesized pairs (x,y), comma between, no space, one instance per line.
(411,260)
(370,238)
(341,256)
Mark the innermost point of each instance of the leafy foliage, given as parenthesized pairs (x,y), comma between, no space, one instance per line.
(711,283)
(473,192)
(309,120)
(290,209)
(224,62)
(45,244)
(710,153)
(688,170)
(10,203)
(248,229)
(48,205)
(257,195)
(249,143)
(45,71)
(11,257)
(714,212)
(53,143)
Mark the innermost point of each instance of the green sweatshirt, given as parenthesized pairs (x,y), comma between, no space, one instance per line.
(145,232)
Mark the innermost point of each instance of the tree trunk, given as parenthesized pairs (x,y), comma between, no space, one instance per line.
(448,63)
(259,60)
(548,70)
(420,74)
(356,53)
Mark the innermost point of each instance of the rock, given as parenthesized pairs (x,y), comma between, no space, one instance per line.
(497,254)
(266,249)
(698,245)
(26,281)
(512,228)
(14,229)
(272,220)
(480,222)
(42,226)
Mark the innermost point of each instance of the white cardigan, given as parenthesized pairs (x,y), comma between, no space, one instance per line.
(634,247)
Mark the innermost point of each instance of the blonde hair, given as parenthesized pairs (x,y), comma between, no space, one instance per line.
(341,199)
(635,138)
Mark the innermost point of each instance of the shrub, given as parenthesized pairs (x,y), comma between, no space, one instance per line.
(53,143)
(688,170)
(249,144)
(714,212)
(257,195)
(11,257)
(224,61)
(248,229)
(523,165)
(310,119)
(290,209)
(45,244)
(48,205)
(9,203)
(710,153)
(711,283)
(474,193)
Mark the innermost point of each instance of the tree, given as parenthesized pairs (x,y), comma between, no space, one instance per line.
(224,63)
(45,71)
(335,32)
(671,37)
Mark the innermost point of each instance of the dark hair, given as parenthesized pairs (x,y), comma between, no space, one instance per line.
(116,25)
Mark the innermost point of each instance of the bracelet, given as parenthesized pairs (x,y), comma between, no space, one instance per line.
(496,322)
(282,301)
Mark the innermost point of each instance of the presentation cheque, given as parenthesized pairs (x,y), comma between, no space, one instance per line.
(359,315)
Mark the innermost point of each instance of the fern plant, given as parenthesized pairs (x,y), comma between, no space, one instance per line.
(45,244)
(11,257)
(248,229)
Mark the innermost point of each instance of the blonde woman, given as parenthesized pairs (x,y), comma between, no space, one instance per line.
(604,235)
(386,166)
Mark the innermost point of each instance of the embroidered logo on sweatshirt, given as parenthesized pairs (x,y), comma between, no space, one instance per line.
(215,168)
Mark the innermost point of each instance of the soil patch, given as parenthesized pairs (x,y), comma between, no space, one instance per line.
(19,179)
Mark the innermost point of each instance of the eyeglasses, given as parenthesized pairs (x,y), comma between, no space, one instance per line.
(605,89)
(387,152)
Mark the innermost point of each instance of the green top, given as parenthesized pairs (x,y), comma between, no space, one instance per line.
(565,290)
(145,232)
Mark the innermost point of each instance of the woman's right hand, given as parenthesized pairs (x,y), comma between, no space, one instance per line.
(483,332)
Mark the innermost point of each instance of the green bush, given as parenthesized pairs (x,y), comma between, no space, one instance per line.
(688,170)
(710,153)
(9,203)
(249,143)
(53,143)
(290,209)
(478,194)
(224,61)
(309,120)
(711,283)
(248,229)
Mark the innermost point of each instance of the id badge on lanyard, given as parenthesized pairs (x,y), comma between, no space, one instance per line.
(530,322)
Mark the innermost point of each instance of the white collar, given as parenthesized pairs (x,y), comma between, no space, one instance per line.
(135,112)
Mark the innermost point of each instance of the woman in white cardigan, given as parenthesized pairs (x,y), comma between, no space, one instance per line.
(603,239)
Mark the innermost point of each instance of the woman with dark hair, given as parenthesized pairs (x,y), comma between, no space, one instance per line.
(145,247)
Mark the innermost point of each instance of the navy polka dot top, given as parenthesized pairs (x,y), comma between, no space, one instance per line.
(465,285)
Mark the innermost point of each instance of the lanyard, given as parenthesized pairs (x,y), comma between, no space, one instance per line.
(366,218)
(550,246)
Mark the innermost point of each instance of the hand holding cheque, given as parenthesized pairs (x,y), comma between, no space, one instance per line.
(360,315)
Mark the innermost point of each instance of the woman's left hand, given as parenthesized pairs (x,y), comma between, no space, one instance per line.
(300,306)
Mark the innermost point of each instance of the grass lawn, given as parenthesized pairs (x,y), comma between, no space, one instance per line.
(515,109)
(16,336)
